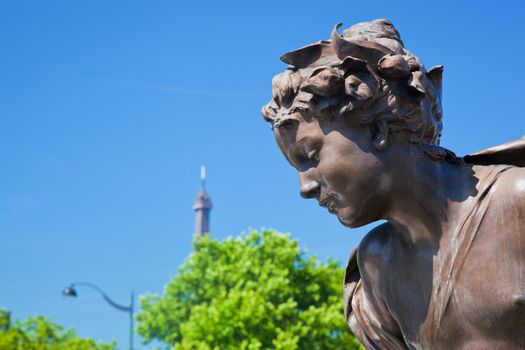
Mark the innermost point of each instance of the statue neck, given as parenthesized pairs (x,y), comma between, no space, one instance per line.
(425,198)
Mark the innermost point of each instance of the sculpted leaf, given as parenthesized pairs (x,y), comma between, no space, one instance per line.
(394,66)
(324,81)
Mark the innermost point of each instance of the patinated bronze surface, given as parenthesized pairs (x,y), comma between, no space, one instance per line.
(360,118)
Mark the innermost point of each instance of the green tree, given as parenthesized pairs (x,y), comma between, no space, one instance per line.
(257,291)
(38,333)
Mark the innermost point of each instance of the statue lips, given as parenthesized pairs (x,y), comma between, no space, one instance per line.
(330,205)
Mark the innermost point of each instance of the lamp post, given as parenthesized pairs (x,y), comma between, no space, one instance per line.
(72,292)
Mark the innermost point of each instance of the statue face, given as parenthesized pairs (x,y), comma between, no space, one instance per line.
(339,166)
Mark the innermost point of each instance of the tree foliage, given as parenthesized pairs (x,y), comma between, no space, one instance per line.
(38,333)
(257,291)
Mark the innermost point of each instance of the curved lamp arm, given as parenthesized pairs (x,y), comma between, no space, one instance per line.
(72,292)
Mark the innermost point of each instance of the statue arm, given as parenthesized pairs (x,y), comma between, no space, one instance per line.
(367,317)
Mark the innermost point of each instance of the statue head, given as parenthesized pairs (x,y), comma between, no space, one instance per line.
(366,75)
(362,87)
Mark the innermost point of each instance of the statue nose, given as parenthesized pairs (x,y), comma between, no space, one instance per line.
(309,189)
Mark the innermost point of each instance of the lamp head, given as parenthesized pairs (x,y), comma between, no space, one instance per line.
(70,292)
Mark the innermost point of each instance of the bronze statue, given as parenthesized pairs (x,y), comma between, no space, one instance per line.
(360,119)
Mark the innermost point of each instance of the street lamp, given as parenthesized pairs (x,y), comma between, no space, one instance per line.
(72,292)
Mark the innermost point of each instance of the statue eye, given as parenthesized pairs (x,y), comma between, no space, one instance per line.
(305,153)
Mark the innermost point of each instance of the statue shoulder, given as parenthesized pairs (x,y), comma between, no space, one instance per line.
(509,190)
(502,194)
(376,247)
(367,255)
(365,310)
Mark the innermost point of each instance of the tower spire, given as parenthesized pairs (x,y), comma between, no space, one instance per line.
(203,177)
(202,208)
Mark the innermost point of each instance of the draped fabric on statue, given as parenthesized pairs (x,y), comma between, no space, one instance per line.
(451,260)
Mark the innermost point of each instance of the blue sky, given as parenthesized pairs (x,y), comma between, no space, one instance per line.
(109,108)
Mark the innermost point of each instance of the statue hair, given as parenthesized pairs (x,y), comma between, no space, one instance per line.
(366,74)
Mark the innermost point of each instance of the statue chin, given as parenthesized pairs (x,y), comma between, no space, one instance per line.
(353,217)
(353,224)
(349,221)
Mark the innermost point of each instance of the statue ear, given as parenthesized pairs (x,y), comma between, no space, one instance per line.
(380,135)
